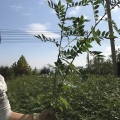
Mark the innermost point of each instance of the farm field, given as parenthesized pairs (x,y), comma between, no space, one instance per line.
(97,98)
(79,62)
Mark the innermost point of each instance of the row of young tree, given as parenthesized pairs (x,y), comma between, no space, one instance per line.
(21,67)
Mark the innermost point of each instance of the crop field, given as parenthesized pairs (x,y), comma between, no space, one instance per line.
(97,98)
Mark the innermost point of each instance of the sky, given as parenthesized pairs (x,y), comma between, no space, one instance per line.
(20,20)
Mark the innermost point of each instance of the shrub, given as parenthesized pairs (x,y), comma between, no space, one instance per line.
(45,70)
(7,72)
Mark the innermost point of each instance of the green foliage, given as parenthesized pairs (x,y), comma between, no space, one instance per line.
(7,72)
(29,94)
(21,67)
(95,5)
(100,66)
(69,1)
(35,71)
(45,70)
(97,98)
(78,41)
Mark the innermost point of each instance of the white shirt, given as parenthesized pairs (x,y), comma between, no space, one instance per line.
(5,109)
(3,87)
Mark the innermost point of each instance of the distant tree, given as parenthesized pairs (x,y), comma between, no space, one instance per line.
(45,70)
(7,72)
(100,66)
(21,67)
(35,71)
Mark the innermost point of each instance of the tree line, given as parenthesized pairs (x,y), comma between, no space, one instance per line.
(97,65)
(21,67)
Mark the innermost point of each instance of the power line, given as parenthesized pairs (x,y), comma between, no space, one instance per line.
(21,36)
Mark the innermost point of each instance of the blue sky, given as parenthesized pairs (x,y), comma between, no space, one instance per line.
(20,20)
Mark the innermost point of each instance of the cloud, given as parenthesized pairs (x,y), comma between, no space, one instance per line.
(80,61)
(75,11)
(107,51)
(37,28)
(17,7)
(85,17)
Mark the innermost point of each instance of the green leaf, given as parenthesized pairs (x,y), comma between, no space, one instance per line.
(50,3)
(97,40)
(96,11)
(74,32)
(80,50)
(80,3)
(106,34)
(59,3)
(84,48)
(61,108)
(64,101)
(103,33)
(75,48)
(76,3)
(69,1)
(96,52)
(88,45)
(98,32)
(96,6)
(81,27)
(96,2)
(78,44)
(71,32)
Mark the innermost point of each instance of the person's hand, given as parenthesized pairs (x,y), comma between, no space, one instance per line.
(48,114)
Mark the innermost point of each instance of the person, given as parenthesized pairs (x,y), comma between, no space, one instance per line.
(7,114)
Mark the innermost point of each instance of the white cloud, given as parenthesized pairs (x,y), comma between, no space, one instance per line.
(117,47)
(37,28)
(17,7)
(108,50)
(85,17)
(75,11)
(80,61)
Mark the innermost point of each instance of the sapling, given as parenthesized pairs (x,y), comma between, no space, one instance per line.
(77,40)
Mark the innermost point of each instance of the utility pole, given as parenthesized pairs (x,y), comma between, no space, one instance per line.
(111,38)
